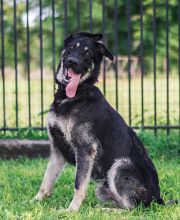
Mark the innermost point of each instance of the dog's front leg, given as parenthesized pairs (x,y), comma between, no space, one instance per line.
(84,165)
(55,165)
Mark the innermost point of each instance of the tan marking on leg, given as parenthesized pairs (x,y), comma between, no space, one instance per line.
(94,150)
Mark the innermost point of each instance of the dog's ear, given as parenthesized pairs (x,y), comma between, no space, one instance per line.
(96,37)
(104,51)
(67,40)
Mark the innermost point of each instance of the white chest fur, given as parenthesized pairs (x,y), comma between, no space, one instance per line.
(65,124)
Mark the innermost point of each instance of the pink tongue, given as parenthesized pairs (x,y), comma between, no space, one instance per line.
(72,86)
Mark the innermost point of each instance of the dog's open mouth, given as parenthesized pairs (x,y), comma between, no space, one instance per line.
(71,80)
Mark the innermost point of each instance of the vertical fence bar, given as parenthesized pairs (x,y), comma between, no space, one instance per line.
(116,50)
(103,31)
(142,62)
(53,44)
(154,64)
(129,56)
(65,19)
(90,16)
(167,64)
(28,62)
(78,15)
(15,63)
(41,61)
(3,64)
(179,57)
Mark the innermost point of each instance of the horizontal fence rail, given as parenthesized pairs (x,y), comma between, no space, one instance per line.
(143,83)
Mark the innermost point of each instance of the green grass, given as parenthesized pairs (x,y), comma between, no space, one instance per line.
(21,178)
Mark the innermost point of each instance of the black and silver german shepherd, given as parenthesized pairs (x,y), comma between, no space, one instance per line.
(86,131)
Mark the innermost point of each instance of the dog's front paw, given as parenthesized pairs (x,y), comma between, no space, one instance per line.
(67,210)
(38,197)
(73,207)
(41,195)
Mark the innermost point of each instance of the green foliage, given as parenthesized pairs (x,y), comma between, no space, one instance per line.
(122,29)
(30,134)
(160,143)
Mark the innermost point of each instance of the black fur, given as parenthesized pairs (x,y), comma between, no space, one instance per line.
(96,122)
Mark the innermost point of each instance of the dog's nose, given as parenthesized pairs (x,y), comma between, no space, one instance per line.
(73,61)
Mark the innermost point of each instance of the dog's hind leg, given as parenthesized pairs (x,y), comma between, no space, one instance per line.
(103,192)
(55,166)
(121,184)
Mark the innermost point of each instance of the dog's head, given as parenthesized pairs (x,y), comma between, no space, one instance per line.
(80,60)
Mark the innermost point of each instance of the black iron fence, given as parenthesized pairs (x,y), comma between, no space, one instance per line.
(143,83)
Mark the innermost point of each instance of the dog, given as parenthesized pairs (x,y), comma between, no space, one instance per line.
(87,132)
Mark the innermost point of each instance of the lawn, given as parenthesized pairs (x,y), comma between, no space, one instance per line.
(20,180)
